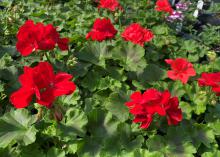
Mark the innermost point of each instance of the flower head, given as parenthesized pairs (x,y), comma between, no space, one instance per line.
(181,69)
(111,5)
(102,29)
(42,82)
(164,6)
(176,15)
(212,80)
(183,6)
(32,37)
(137,34)
(145,106)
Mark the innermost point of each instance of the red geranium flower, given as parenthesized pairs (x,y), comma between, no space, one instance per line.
(32,37)
(174,113)
(181,69)
(102,29)
(145,106)
(44,84)
(137,34)
(164,5)
(212,80)
(110,4)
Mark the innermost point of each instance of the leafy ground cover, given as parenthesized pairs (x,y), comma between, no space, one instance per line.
(89,78)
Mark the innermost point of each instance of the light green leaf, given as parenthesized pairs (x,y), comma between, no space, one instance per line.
(186,109)
(203,134)
(17,126)
(211,154)
(55,152)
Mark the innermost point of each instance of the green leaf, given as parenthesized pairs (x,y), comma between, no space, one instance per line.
(70,100)
(55,152)
(101,124)
(161,29)
(91,85)
(211,154)
(74,124)
(94,52)
(116,105)
(190,46)
(32,150)
(141,153)
(186,109)
(130,56)
(179,144)
(72,147)
(152,73)
(200,99)
(216,127)
(203,134)
(89,147)
(177,89)
(155,143)
(17,126)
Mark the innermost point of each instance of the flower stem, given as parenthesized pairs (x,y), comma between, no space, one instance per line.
(48,57)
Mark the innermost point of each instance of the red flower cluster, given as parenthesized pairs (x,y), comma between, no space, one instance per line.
(137,34)
(102,29)
(212,80)
(110,5)
(145,106)
(44,84)
(32,37)
(164,6)
(181,69)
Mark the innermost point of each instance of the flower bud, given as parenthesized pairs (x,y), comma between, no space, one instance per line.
(71,62)
(211,55)
(58,115)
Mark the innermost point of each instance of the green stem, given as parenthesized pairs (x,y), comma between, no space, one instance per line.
(48,57)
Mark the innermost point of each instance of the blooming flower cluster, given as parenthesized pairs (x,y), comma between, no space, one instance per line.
(164,6)
(178,13)
(145,106)
(42,82)
(212,80)
(111,5)
(182,6)
(102,29)
(137,34)
(181,69)
(32,37)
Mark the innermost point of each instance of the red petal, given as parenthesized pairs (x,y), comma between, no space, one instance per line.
(25,48)
(63,43)
(165,97)
(172,75)
(147,123)
(46,98)
(62,85)
(22,97)
(43,75)
(191,72)
(169,61)
(136,96)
